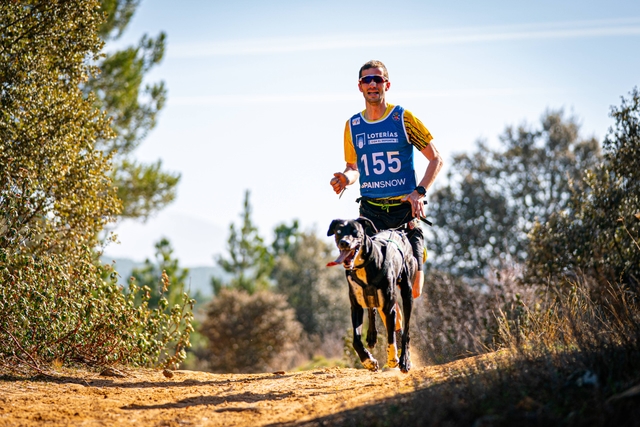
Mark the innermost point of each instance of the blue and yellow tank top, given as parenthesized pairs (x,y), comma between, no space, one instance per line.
(384,155)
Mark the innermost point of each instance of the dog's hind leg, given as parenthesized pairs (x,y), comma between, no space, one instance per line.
(367,359)
(398,332)
(372,332)
(398,318)
(407,305)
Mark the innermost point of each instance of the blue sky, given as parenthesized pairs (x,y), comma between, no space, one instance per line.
(259,92)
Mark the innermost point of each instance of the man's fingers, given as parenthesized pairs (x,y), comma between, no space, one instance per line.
(341,177)
(336,183)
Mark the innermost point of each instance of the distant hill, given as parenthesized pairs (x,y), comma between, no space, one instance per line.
(199,279)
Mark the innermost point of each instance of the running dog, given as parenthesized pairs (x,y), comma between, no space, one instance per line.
(375,263)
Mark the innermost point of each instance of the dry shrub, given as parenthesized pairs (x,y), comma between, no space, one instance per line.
(250,333)
(582,324)
(573,363)
(457,318)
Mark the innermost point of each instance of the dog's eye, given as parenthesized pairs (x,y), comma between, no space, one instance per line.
(339,232)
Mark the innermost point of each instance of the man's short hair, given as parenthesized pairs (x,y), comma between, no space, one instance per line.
(373,64)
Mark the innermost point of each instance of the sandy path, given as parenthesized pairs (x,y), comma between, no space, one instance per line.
(147,397)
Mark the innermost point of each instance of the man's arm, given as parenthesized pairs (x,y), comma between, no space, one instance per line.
(350,175)
(433,168)
(341,179)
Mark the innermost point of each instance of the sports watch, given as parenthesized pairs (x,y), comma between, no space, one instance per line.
(420,190)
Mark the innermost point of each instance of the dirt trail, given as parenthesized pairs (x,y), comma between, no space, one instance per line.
(188,398)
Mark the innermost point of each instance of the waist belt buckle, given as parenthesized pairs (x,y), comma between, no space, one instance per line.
(385,204)
(393,203)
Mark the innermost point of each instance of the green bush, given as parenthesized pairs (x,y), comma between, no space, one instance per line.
(56,196)
(496,193)
(55,311)
(598,234)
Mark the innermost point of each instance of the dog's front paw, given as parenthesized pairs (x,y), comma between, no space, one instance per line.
(370,364)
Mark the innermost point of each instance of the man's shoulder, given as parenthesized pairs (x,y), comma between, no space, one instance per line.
(406,114)
(410,117)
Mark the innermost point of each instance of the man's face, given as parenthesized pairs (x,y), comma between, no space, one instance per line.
(373,91)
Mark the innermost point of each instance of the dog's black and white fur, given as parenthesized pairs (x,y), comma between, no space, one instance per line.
(375,263)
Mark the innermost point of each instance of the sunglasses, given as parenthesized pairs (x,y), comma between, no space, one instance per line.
(368,79)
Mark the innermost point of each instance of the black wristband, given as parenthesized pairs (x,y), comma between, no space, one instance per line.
(420,190)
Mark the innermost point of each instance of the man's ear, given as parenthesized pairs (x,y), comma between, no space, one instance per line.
(368,226)
(332,227)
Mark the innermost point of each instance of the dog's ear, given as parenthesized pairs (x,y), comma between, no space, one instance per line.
(369,228)
(332,227)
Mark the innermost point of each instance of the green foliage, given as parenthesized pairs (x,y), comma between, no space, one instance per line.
(286,238)
(55,311)
(250,332)
(143,188)
(55,197)
(495,195)
(132,109)
(598,236)
(294,266)
(151,275)
(117,16)
(163,281)
(55,194)
(249,262)
(318,294)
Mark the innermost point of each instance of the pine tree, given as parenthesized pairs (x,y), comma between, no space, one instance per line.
(133,108)
(249,261)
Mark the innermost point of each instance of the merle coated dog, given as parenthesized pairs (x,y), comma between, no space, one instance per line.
(375,263)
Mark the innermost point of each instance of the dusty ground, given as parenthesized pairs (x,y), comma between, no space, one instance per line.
(188,398)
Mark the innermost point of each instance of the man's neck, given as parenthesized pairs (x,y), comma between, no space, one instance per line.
(375,112)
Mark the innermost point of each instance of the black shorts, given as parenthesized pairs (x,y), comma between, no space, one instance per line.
(385,218)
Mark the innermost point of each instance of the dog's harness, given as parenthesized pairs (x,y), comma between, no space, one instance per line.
(387,240)
(391,240)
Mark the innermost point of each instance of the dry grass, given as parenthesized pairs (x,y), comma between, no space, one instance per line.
(573,362)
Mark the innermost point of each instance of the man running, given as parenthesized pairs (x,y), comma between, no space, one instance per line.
(378,150)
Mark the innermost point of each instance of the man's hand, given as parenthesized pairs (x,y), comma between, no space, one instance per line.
(417,206)
(339,182)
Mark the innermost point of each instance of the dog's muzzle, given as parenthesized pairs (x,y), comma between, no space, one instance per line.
(347,254)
